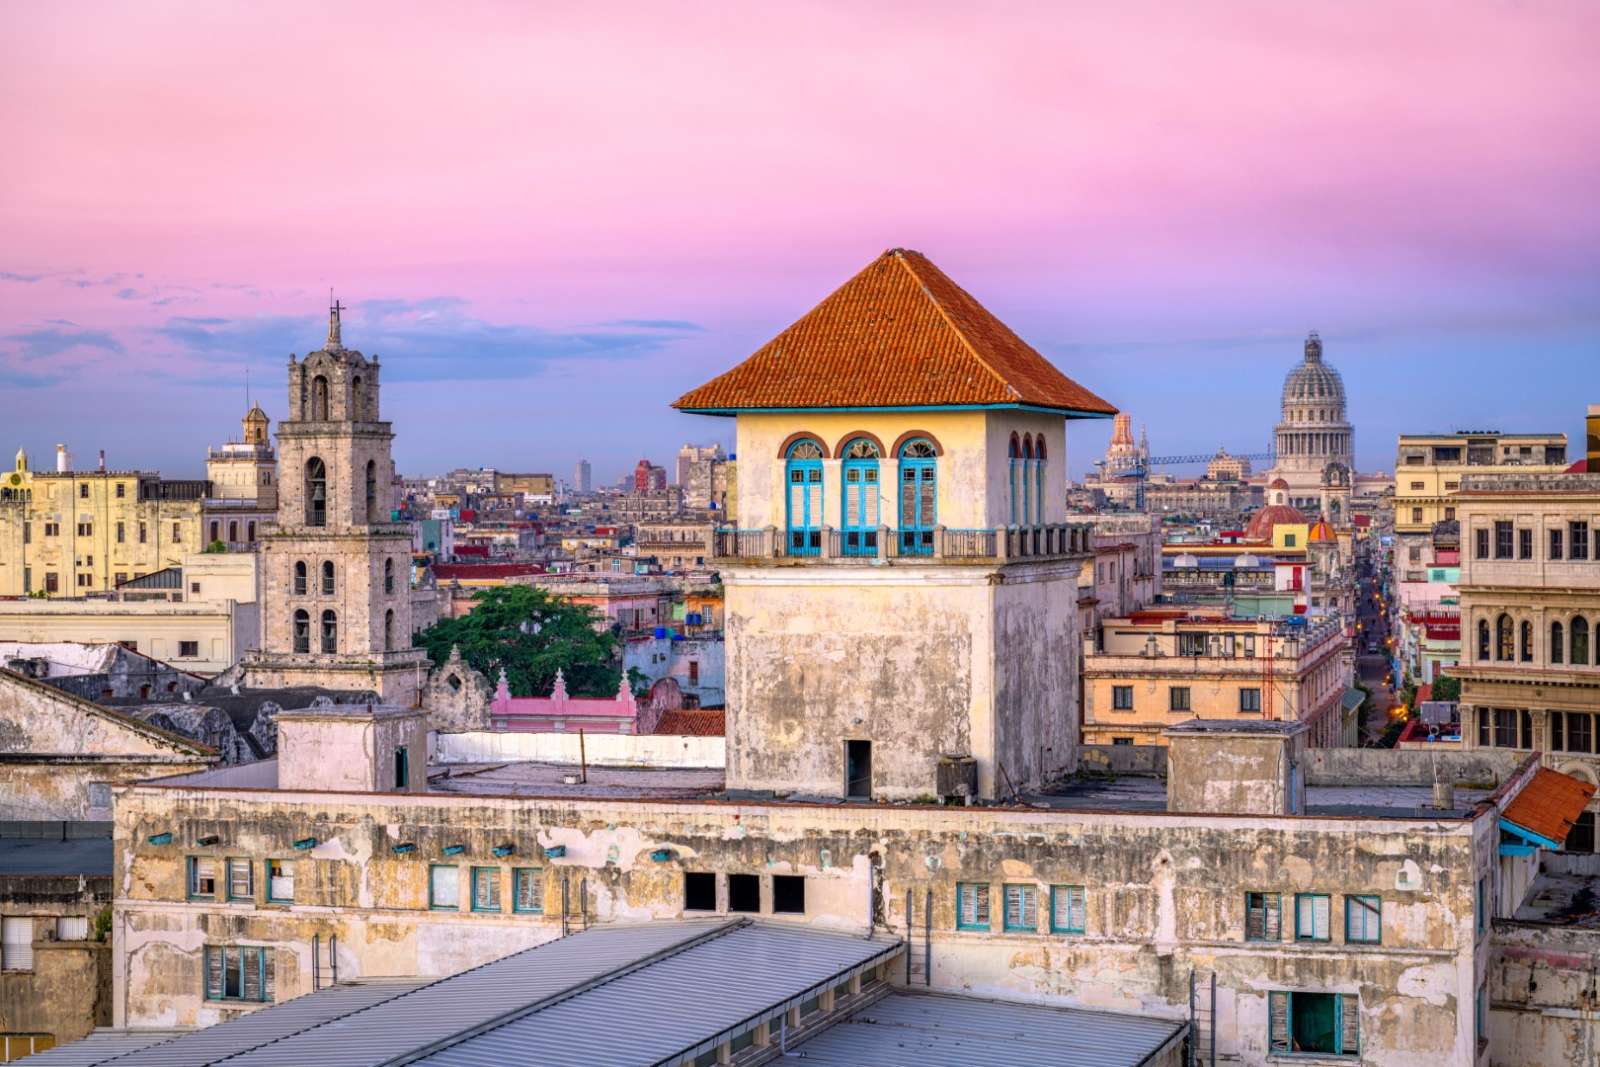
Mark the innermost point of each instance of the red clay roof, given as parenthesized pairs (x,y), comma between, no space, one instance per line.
(696,723)
(1549,804)
(898,334)
(466,572)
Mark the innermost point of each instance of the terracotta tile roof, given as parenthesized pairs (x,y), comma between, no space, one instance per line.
(696,723)
(467,572)
(898,334)
(1549,804)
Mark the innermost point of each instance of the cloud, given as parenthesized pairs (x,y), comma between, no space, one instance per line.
(434,339)
(13,276)
(50,342)
(657,324)
(49,356)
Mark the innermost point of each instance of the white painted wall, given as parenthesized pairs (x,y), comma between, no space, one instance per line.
(602,750)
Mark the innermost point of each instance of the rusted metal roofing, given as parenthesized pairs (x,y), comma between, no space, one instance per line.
(898,334)
(1549,804)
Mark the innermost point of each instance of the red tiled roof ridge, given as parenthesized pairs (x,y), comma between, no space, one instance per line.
(899,333)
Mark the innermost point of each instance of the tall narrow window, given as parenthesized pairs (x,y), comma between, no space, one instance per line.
(1503,649)
(1558,643)
(319,399)
(1015,458)
(316,492)
(1555,544)
(1580,642)
(251,534)
(372,492)
(918,496)
(1262,921)
(1038,478)
(1311,917)
(357,405)
(388,576)
(327,577)
(388,630)
(1483,639)
(1027,479)
(300,578)
(330,632)
(972,906)
(402,768)
(859,510)
(233,532)
(1527,642)
(1577,540)
(803,480)
(302,631)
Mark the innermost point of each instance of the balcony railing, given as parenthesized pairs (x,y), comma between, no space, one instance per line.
(941,543)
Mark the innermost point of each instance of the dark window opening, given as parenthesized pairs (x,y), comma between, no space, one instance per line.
(699,891)
(316,492)
(1581,837)
(744,892)
(789,894)
(858,768)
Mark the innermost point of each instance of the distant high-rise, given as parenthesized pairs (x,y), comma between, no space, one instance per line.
(583,477)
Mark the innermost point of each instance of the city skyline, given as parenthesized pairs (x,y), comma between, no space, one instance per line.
(1164,216)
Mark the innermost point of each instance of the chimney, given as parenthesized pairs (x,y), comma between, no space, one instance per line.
(102,460)
(63,461)
(1592,432)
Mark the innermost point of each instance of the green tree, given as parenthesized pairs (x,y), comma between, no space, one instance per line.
(530,635)
(1447,688)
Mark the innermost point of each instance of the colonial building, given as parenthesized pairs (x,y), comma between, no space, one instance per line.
(244,485)
(67,533)
(1313,434)
(1530,617)
(1157,667)
(901,539)
(336,593)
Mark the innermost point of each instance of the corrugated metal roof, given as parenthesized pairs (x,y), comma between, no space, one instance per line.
(932,1030)
(677,1005)
(99,1047)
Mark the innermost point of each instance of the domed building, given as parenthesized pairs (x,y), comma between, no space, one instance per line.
(1313,434)
(1277,512)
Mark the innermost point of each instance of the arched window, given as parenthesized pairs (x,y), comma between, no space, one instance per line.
(327,577)
(388,630)
(330,632)
(859,510)
(319,399)
(216,532)
(316,492)
(1527,641)
(372,491)
(918,497)
(233,532)
(302,631)
(1580,642)
(1503,649)
(388,576)
(300,578)
(1011,468)
(1038,478)
(1558,643)
(357,412)
(1483,639)
(1027,479)
(803,480)
(250,530)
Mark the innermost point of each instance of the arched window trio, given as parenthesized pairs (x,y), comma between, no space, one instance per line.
(861,493)
(1507,640)
(1025,470)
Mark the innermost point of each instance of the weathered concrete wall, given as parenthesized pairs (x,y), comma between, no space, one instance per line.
(1165,896)
(1389,766)
(1236,772)
(602,750)
(67,993)
(346,751)
(1544,1000)
(1148,760)
(456,697)
(1036,652)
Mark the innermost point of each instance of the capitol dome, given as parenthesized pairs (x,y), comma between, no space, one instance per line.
(1313,381)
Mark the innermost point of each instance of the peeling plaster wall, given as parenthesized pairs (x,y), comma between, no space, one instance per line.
(68,991)
(1165,896)
(1544,995)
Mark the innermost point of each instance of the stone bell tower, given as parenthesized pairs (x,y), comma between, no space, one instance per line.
(335,571)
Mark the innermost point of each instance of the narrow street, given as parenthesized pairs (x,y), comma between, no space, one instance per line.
(1372,658)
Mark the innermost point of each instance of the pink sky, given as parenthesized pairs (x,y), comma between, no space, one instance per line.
(1132,186)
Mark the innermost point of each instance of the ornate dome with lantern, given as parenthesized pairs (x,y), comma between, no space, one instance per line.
(1313,435)
(1278,512)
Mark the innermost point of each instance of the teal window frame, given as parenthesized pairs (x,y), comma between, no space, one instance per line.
(1354,901)
(1027,895)
(859,485)
(254,956)
(1068,928)
(191,870)
(478,873)
(249,894)
(918,477)
(433,904)
(985,901)
(1301,935)
(402,768)
(1250,900)
(517,874)
(1282,1044)
(271,899)
(802,525)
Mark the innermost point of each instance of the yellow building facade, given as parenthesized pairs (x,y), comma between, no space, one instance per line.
(68,533)
(1428,469)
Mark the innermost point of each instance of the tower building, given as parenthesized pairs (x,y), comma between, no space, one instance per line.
(900,553)
(1313,434)
(335,569)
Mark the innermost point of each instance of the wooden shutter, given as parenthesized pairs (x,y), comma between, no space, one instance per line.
(1272,909)
(1365,919)
(250,962)
(239,880)
(1078,908)
(1349,1023)
(213,973)
(1022,907)
(530,890)
(1262,921)
(1321,924)
(1278,1022)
